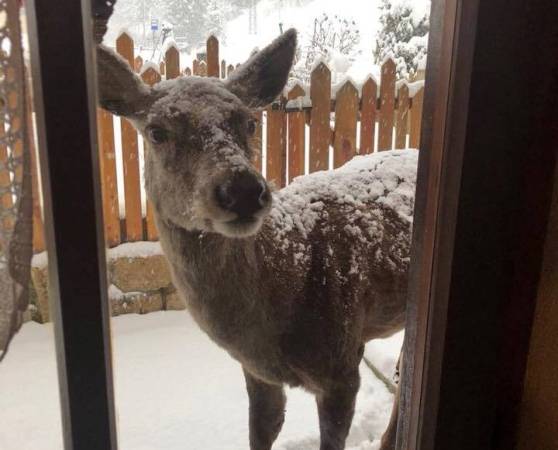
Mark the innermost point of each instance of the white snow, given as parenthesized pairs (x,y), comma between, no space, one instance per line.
(39,260)
(169,43)
(382,177)
(175,390)
(141,249)
(149,65)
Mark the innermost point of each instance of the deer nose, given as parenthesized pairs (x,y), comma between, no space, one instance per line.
(244,195)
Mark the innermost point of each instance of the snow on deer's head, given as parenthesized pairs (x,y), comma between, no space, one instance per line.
(198,172)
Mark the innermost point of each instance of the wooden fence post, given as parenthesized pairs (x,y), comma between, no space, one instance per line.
(195,67)
(387,105)
(213,57)
(346,113)
(416,117)
(172,62)
(107,158)
(296,126)
(162,67)
(150,77)
(368,116)
(202,69)
(320,134)
(130,161)
(276,145)
(38,224)
(402,117)
(138,63)
(230,69)
(257,141)
(223,69)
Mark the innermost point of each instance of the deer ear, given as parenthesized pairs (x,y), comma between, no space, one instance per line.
(121,91)
(262,78)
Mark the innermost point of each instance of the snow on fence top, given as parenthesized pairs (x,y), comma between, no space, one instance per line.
(170,43)
(345,80)
(149,65)
(320,61)
(124,32)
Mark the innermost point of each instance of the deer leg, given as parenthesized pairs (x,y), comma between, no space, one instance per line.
(390,435)
(336,408)
(267,412)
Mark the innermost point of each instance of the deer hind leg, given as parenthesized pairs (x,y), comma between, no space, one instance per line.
(336,408)
(390,435)
(267,412)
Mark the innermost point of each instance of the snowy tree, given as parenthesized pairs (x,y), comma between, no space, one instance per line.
(403,36)
(333,38)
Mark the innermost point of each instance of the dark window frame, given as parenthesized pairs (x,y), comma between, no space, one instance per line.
(65,105)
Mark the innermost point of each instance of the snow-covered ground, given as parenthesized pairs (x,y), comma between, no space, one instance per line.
(175,389)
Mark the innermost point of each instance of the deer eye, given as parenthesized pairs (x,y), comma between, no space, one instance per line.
(157,135)
(251,127)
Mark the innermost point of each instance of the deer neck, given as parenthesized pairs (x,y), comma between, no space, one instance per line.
(210,265)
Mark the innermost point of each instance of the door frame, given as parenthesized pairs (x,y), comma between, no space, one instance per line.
(488,151)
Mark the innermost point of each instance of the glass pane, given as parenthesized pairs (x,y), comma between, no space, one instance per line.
(295,292)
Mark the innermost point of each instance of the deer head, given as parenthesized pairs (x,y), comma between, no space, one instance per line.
(198,132)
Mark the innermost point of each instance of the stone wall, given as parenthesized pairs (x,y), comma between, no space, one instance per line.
(139,281)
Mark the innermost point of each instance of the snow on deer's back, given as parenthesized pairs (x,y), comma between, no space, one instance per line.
(367,194)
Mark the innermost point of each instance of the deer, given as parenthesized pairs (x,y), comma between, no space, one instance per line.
(292,282)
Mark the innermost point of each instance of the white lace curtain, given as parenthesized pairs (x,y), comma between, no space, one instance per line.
(16,225)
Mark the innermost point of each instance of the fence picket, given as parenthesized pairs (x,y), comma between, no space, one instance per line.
(162,67)
(108,175)
(195,67)
(276,145)
(416,118)
(230,69)
(368,116)
(223,69)
(202,69)
(138,63)
(402,117)
(257,141)
(296,126)
(150,77)
(346,113)
(212,57)
(320,134)
(130,161)
(172,63)
(387,105)
(38,224)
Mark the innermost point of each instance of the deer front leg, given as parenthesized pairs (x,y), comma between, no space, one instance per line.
(267,412)
(336,408)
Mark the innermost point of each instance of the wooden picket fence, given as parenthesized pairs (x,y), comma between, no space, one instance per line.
(296,128)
